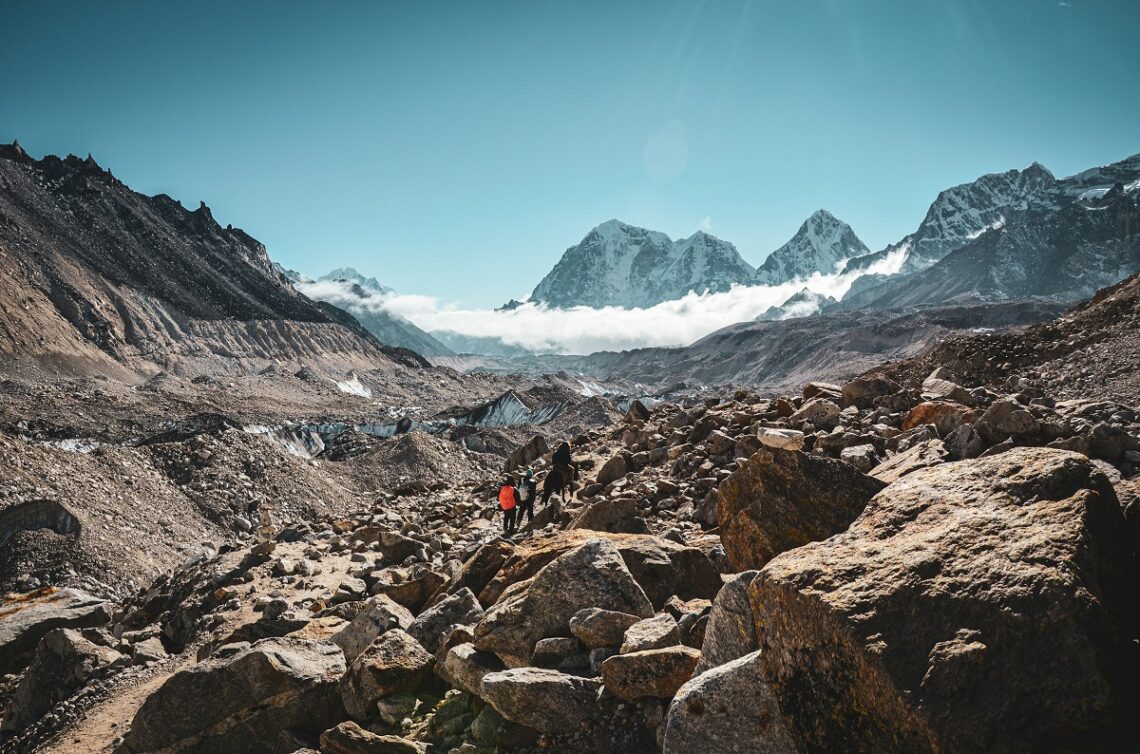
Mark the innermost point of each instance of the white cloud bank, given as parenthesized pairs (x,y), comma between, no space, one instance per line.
(583,330)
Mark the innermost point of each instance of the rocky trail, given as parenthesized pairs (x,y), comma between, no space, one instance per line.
(872,566)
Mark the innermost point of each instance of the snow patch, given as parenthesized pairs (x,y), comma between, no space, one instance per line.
(353,386)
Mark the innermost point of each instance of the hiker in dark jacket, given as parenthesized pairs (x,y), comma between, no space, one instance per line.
(528,491)
(508,503)
(562,456)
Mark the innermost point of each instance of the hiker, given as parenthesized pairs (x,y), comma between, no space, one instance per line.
(508,503)
(562,457)
(528,491)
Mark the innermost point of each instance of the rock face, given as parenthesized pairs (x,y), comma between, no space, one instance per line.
(780,499)
(622,265)
(923,627)
(23,624)
(241,703)
(545,700)
(729,710)
(593,575)
(63,663)
(394,662)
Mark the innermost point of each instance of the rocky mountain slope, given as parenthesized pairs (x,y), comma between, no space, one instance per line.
(1013,235)
(822,244)
(775,355)
(711,585)
(621,265)
(96,277)
(347,289)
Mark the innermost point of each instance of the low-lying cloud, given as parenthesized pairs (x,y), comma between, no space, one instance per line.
(583,330)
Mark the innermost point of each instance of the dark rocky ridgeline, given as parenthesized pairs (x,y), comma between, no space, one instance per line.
(94,275)
(863,567)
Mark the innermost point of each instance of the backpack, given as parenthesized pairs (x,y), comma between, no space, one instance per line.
(506,497)
(524,491)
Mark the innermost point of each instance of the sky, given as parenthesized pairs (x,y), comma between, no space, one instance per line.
(456,149)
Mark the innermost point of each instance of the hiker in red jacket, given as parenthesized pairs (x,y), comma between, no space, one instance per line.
(508,503)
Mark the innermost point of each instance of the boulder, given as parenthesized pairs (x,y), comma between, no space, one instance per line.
(545,700)
(662,567)
(655,673)
(651,633)
(944,415)
(433,624)
(240,703)
(478,570)
(596,628)
(820,413)
(637,413)
(863,457)
(782,439)
(394,662)
(26,620)
(465,666)
(593,575)
(730,632)
(612,470)
(938,620)
(350,738)
(553,652)
(527,453)
(779,500)
(1005,418)
(923,455)
(964,442)
(728,710)
(938,389)
(718,443)
(822,389)
(861,392)
(609,514)
(64,661)
(379,614)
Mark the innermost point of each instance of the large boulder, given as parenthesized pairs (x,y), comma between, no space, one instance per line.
(433,624)
(783,439)
(608,514)
(241,703)
(24,621)
(545,700)
(395,662)
(651,633)
(919,456)
(728,710)
(944,415)
(820,413)
(971,607)
(1006,418)
(63,663)
(612,470)
(593,575)
(781,499)
(527,453)
(730,632)
(662,567)
(655,673)
(379,614)
(861,392)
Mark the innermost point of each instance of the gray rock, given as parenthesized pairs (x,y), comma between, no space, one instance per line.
(24,623)
(395,662)
(465,666)
(653,673)
(730,632)
(728,710)
(239,704)
(545,700)
(601,628)
(433,624)
(380,614)
(651,633)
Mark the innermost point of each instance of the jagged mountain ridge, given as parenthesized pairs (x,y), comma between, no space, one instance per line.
(822,244)
(96,276)
(621,265)
(1068,239)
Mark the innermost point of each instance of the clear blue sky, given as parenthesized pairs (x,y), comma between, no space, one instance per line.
(457,148)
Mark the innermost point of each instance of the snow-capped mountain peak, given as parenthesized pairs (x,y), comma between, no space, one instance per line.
(618,264)
(822,244)
(350,273)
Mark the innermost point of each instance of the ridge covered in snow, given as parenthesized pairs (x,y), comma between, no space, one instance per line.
(823,244)
(622,265)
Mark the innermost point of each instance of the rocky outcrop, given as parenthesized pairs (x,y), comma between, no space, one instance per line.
(781,499)
(24,622)
(241,703)
(544,700)
(395,662)
(923,626)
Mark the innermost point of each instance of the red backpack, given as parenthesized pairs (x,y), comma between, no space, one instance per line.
(506,497)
